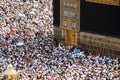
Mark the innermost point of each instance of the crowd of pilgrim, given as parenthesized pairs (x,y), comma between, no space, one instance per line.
(27,42)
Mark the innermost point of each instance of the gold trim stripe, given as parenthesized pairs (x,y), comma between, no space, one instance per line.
(109,2)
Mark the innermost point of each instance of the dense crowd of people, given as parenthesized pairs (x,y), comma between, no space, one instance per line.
(25,18)
(26,41)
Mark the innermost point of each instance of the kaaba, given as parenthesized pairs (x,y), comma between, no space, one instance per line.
(98,23)
(94,17)
(100,18)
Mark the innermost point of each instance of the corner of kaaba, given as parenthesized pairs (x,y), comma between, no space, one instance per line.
(59,40)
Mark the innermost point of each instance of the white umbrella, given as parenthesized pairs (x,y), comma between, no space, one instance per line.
(21,15)
(33,9)
(19,43)
(36,20)
(32,12)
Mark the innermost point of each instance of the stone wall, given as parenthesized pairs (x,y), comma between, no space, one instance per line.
(106,45)
(100,43)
